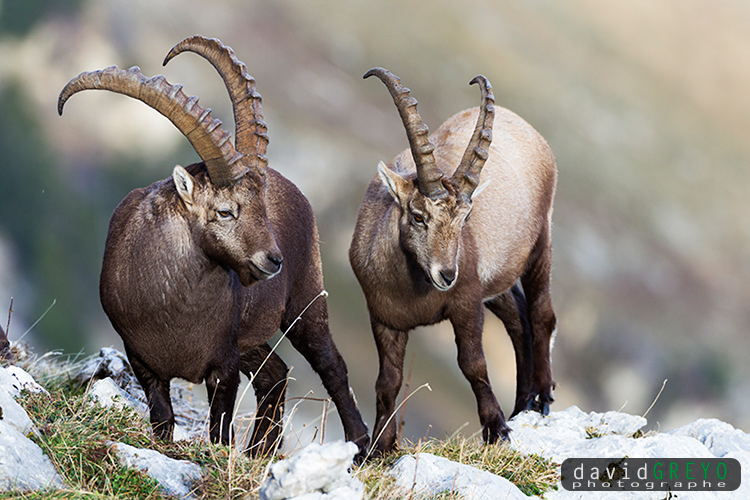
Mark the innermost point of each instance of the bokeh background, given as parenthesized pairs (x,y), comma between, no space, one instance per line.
(645,104)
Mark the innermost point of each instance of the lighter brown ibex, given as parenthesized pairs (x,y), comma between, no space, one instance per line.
(192,277)
(435,241)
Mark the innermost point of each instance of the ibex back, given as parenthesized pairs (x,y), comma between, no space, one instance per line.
(202,268)
(434,241)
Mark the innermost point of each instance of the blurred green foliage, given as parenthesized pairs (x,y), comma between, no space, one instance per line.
(49,226)
(18,17)
(57,222)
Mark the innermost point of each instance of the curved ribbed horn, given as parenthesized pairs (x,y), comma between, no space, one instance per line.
(251,137)
(466,176)
(205,134)
(429,176)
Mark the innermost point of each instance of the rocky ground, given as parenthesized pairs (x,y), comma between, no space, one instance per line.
(323,471)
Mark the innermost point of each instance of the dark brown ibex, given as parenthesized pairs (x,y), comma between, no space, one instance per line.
(433,243)
(192,277)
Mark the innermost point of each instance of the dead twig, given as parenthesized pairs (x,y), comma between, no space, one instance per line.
(5,354)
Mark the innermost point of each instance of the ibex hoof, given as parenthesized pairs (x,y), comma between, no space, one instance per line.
(539,404)
(496,430)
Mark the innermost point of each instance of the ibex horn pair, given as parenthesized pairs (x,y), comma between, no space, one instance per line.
(250,129)
(224,163)
(429,176)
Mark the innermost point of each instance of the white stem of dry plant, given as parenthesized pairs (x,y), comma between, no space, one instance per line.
(323,293)
(375,440)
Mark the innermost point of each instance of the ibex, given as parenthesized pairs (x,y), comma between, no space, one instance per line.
(432,242)
(192,277)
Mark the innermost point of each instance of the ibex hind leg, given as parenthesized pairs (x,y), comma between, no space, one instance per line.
(311,336)
(536,286)
(511,308)
(157,396)
(268,373)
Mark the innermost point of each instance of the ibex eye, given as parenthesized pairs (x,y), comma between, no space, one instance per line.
(418,218)
(225,214)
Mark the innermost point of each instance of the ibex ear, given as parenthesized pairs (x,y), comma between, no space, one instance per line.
(396,184)
(184,183)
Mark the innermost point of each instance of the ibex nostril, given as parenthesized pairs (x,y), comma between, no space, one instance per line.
(275,261)
(448,275)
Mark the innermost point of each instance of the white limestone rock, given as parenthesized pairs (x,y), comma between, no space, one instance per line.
(110,363)
(23,466)
(175,477)
(562,434)
(428,474)
(574,434)
(719,437)
(107,393)
(15,380)
(317,472)
(11,413)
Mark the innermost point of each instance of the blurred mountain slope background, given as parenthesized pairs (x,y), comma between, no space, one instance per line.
(645,104)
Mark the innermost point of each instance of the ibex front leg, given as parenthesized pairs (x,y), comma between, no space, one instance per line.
(157,395)
(311,336)
(391,346)
(221,386)
(467,328)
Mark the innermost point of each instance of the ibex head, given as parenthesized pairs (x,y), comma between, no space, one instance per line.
(224,206)
(434,207)
(230,225)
